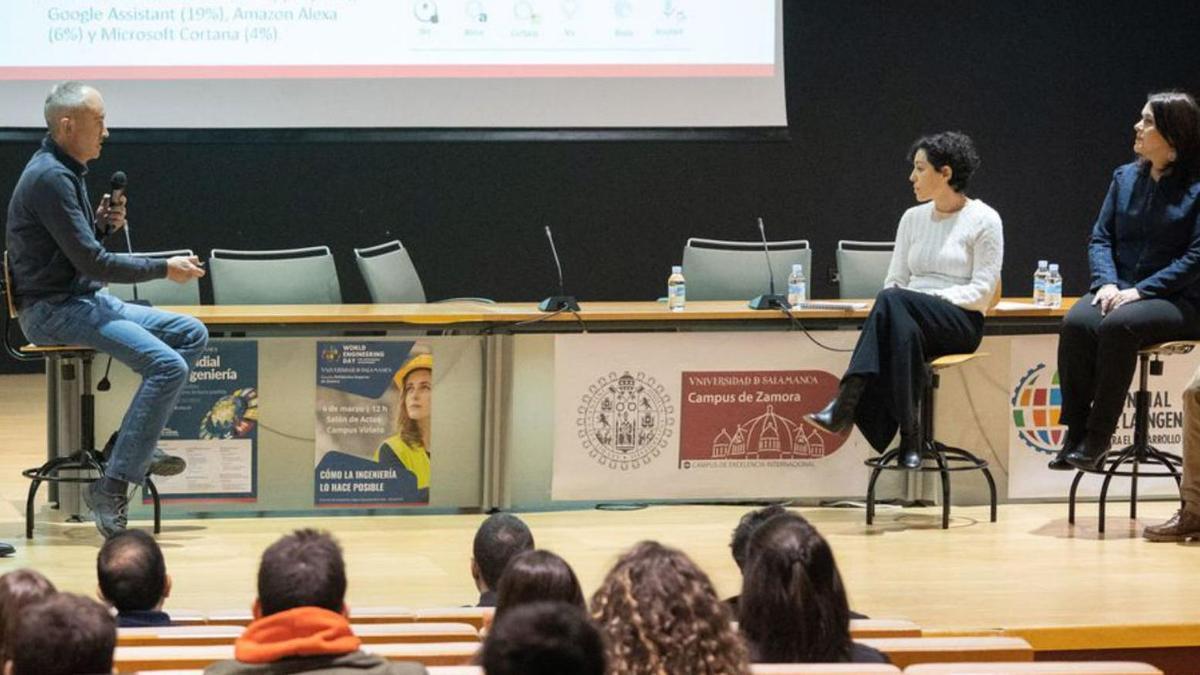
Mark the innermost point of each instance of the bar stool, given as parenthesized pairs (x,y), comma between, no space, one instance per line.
(85,465)
(1140,452)
(946,459)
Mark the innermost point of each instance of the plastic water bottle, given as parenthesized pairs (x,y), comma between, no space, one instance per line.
(1039,283)
(676,289)
(1053,287)
(797,286)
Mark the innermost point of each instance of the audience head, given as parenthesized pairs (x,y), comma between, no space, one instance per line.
(303,569)
(132,572)
(501,537)
(18,589)
(535,576)
(950,154)
(793,606)
(543,638)
(65,634)
(658,613)
(1175,117)
(746,527)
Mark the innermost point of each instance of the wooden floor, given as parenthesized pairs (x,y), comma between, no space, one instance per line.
(1030,569)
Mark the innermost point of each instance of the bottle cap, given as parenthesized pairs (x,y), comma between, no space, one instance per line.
(797,268)
(1053,267)
(676,269)
(1043,263)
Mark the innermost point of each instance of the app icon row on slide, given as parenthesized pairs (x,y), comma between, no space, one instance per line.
(477,11)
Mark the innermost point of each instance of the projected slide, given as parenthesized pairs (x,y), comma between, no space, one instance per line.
(387,38)
(430,63)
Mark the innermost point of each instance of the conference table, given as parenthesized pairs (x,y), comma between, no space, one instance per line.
(499,414)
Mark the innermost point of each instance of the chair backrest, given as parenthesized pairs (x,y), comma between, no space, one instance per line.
(1037,668)
(862,267)
(904,652)
(737,270)
(389,273)
(161,291)
(298,276)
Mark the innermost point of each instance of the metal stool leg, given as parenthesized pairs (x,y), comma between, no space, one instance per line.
(991,489)
(157,505)
(1071,499)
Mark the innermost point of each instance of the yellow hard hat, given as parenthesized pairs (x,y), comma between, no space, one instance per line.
(415,363)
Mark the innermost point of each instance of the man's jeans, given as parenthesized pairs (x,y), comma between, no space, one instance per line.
(158,345)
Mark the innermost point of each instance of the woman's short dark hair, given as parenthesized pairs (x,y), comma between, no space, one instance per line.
(949,148)
(18,589)
(543,638)
(535,576)
(1177,118)
(793,605)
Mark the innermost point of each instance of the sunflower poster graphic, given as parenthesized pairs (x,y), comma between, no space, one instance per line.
(214,427)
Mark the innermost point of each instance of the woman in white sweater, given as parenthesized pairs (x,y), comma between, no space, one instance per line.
(944,275)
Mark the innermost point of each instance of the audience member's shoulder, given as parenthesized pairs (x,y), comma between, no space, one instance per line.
(358,663)
(860,653)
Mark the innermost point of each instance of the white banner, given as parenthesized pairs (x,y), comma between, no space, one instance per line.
(1036,433)
(700,415)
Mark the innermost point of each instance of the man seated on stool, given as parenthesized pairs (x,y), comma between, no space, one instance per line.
(58,265)
(133,579)
(64,634)
(499,539)
(300,617)
(1185,524)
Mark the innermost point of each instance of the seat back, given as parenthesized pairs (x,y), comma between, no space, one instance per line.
(161,291)
(737,270)
(862,267)
(298,276)
(389,273)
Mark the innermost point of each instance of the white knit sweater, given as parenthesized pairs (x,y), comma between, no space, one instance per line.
(957,258)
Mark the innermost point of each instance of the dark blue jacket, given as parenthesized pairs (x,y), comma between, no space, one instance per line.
(54,248)
(1148,236)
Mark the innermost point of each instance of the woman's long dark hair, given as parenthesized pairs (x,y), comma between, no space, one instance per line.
(793,605)
(1177,118)
(536,576)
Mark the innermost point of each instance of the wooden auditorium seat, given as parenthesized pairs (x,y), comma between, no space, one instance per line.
(905,652)
(134,659)
(480,617)
(371,633)
(883,628)
(1036,668)
(756,669)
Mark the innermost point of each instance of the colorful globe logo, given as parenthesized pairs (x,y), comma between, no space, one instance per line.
(1036,409)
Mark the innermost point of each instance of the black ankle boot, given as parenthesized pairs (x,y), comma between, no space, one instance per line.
(1089,455)
(1060,463)
(910,443)
(838,415)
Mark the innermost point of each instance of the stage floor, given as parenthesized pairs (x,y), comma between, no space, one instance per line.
(1031,569)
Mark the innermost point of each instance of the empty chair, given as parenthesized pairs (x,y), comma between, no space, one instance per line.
(389,273)
(298,276)
(160,291)
(862,267)
(737,270)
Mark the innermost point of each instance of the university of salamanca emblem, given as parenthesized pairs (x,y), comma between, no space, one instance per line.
(625,421)
(1036,408)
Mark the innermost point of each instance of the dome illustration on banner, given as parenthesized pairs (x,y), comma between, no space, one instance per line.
(769,436)
(1036,409)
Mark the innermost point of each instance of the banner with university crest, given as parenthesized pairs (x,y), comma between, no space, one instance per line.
(1036,430)
(686,415)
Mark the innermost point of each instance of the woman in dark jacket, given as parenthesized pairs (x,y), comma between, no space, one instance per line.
(1144,257)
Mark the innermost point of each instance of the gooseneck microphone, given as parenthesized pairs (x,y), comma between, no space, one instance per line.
(561,302)
(771,299)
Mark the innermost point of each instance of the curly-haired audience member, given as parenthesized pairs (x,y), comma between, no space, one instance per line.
(659,615)
(945,273)
(793,607)
(18,590)
(536,576)
(543,638)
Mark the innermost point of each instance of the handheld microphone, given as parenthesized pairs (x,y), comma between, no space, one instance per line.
(562,301)
(771,299)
